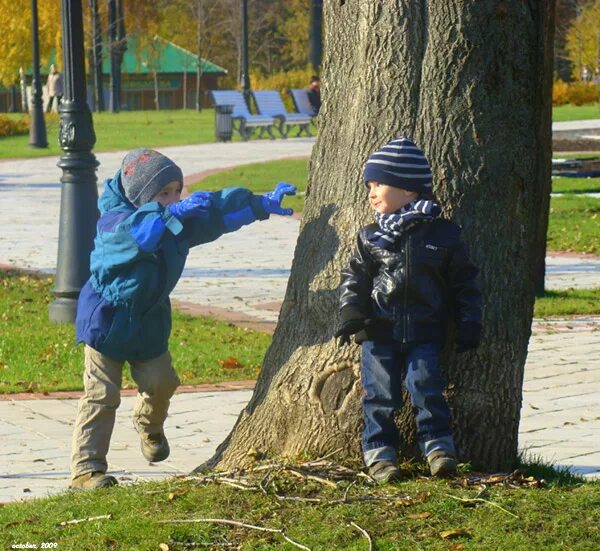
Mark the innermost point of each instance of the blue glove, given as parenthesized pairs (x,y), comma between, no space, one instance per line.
(196,205)
(271,202)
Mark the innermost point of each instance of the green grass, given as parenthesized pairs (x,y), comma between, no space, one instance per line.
(125,130)
(568,303)
(413,514)
(576,112)
(130,129)
(39,356)
(573,224)
(262,177)
(576,185)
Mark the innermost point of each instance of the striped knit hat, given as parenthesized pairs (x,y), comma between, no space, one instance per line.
(400,163)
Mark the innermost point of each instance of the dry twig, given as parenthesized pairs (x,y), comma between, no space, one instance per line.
(365,534)
(236,523)
(88,519)
(473,500)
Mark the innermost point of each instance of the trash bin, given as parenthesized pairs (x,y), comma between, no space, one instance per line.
(223,122)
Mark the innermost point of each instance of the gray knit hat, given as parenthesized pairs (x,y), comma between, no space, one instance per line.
(145,172)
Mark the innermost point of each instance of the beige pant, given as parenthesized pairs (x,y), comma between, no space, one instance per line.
(156,380)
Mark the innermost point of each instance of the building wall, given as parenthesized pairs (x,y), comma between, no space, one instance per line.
(137,92)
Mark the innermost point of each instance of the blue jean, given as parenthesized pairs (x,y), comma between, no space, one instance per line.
(382,368)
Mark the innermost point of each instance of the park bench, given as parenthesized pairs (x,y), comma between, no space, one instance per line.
(243,121)
(302,103)
(269,102)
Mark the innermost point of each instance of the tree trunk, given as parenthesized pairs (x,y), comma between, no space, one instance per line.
(469,81)
(156,98)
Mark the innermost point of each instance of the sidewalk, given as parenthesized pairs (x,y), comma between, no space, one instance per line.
(562,376)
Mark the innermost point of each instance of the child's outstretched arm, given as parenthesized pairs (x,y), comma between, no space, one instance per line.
(232,208)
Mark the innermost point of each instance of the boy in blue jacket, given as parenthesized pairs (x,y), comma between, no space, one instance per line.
(410,274)
(143,237)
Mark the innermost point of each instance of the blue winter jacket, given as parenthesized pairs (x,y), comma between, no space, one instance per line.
(124,310)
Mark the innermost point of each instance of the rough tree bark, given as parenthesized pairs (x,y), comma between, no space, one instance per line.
(469,81)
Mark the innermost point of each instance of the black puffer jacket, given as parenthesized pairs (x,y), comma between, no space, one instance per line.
(410,291)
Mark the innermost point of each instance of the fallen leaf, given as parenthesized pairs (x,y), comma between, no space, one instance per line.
(230,363)
(458,547)
(417,516)
(176,493)
(163,547)
(457,533)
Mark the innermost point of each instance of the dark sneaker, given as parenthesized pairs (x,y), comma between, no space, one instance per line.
(93,481)
(441,464)
(384,472)
(155,447)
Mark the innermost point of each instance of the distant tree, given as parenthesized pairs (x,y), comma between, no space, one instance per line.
(294,28)
(583,40)
(196,26)
(15,45)
(566,11)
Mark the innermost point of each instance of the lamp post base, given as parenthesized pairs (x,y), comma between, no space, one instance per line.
(63,310)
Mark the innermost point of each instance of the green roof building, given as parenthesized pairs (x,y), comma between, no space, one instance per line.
(173,69)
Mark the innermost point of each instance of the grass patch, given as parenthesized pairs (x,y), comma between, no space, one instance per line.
(123,131)
(38,356)
(567,303)
(262,177)
(573,224)
(575,185)
(575,112)
(414,514)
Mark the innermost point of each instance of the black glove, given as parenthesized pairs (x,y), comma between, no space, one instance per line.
(348,328)
(468,336)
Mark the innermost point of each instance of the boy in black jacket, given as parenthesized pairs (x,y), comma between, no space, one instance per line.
(409,274)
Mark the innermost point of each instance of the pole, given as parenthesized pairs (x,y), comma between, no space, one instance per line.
(97,56)
(115,103)
(79,194)
(245,78)
(121,48)
(37,127)
(316,33)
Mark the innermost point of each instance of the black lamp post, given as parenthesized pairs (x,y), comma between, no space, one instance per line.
(316,42)
(37,127)
(79,196)
(244,77)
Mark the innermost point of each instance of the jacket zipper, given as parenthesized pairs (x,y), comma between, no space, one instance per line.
(405,316)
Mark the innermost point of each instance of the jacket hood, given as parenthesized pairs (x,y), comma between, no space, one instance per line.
(113,196)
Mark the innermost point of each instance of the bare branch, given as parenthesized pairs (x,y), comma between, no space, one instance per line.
(365,533)
(88,519)
(236,523)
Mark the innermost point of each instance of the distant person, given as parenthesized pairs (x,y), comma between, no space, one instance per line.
(143,237)
(314,93)
(54,85)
